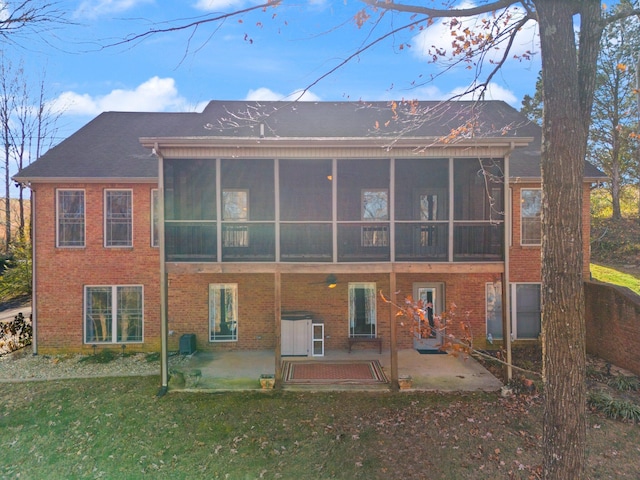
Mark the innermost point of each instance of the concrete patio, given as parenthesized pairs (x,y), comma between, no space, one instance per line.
(227,371)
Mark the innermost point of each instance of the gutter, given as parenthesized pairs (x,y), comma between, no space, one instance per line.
(34,289)
(164,325)
(506,303)
(37,179)
(416,143)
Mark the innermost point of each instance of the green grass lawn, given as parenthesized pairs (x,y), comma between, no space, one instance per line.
(616,277)
(118,428)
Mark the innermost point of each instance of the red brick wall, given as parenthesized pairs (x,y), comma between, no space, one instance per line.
(525,263)
(188,306)
(62,273)
(612,316)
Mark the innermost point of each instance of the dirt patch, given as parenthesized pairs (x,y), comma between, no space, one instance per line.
(602,376)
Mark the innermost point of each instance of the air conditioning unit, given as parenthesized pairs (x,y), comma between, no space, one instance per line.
(188,344)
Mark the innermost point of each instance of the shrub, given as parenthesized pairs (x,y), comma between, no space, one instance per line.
(15,281)
(624,383)
(15,334)
(613,408)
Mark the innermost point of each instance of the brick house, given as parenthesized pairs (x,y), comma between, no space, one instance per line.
(266,204)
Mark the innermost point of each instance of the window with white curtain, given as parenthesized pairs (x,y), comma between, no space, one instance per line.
(362,309)
(223,312)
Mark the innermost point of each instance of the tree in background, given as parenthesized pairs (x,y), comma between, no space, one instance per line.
(532,107)
(27,127)
(612,143)
(27,19)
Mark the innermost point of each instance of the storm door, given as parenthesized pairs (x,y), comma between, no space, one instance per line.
(432,296)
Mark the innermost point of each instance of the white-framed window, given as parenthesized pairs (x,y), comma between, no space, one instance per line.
(223,312)
(494,309)
(530,209)
(155,198)
(113,314)
(526,310)
(118,218)
(70,222)
(362,309)
(375,208)
(526,303)
(235,208)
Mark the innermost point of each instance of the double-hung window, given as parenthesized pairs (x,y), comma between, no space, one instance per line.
(223,312)
(70,225)
(530,209)
(113,313)
(118,218)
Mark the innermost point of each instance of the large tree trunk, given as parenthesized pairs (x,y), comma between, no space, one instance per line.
(563,327)
(568,86)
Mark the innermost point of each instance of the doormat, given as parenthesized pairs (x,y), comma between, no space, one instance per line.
(431,351)
(327,373)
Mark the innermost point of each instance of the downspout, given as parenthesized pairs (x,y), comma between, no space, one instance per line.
(164,327)
(506,297)
(34,290)
(638,127)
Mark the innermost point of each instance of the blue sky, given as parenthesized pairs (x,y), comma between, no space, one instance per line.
(262,55)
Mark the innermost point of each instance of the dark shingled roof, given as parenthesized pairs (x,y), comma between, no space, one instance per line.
(108,147)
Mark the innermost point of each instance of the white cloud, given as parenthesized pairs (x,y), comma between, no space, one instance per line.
(266,94)
(227,5)
(217,5)
(98,8)
(439,35)
(154,95)
(493,92)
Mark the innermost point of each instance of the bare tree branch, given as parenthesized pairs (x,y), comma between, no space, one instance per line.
(195,24)
(442,13)
(29,17)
